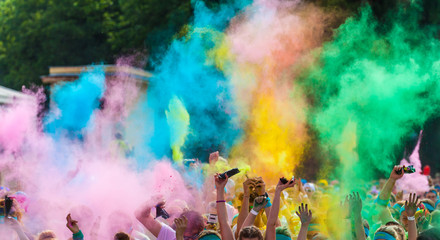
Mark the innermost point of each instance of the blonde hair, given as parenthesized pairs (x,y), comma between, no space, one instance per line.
(47,235)
(390,230)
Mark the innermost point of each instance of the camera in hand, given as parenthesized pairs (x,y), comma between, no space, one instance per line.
(408,169)
(8,205)
(160,212)
(284,180)
(229,173)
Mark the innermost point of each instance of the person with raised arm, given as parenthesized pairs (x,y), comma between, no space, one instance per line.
(72,225)
(385,194)
(305,215)
(181,225)
(225,229)
(411,206)
(244,210)
(17,226)
(273,214)
(355,207)
(259,204)
(165,232)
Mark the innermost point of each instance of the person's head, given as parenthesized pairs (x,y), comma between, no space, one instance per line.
(431,195)
(404,218)
(366,226)
(121,236)
(398,228)
(196,224)
(428,204)
(250,233)
(386,233)
(431,234)
(283,233)
(47,235)
(209,235)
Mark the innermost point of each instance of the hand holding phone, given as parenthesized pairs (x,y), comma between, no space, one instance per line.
(229,173)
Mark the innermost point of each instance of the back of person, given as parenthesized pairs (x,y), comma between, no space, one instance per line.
(431,234)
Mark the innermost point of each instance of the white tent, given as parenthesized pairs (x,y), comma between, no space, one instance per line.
(8,96)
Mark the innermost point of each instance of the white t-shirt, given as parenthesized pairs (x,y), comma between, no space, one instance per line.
(166,233)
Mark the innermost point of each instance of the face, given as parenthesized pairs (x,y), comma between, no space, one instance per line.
(404,220)
(249,238)
(431,196)
(191,234)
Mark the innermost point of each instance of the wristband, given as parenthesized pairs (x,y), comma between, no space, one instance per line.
(254,212)
(219,201)
(411,218)
(382,202)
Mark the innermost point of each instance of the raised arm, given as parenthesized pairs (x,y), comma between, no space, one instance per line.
(385,194)
(181,225)
(355,204)
(395,175)
(143,215)
(259,204)
(16,225)
(273,215)
(72,225)
(244,211)
(225,229)
(411,207)
(305,215)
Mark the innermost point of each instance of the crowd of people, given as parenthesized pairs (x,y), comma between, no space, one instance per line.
(252,210)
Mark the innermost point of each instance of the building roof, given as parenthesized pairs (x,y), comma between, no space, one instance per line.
(71,73)
(8,96)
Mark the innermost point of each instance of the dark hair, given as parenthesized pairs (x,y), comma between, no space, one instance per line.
(121,236)
(431,234)
(195,221)
(250,232)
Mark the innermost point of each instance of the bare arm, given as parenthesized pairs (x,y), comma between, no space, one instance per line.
(181,225)
(385,194)
(355,203)
(259,204)
(225,229)
(395,175)
(273,215)
(244,211)
(17,227)
(411,208)
(305,215)
(143,215)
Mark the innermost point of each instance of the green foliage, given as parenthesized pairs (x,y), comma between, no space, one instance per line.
(36,34)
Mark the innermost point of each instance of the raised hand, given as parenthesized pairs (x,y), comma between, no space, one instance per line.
(355,203)
(411,205)
(259,203)
(181,225)
(72,225)
(260,186)
(247,186)
(220,183)
(304,214)
(397,172)
(281,186)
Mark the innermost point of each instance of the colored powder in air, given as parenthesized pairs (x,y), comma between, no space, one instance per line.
(259,53)
(414,182)
(383,80)
(75,103)
(185,72)
(178,122)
